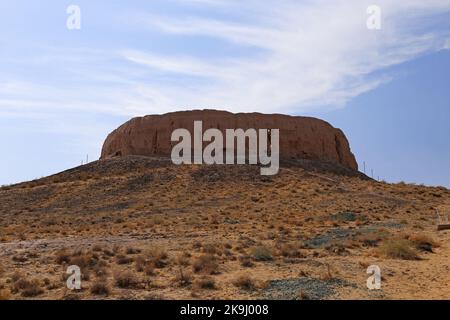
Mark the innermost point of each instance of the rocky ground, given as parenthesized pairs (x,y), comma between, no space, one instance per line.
(140,228)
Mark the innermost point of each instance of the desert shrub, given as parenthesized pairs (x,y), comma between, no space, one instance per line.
(62,257)
(207,283)
(149,270)
(183,278)
(422,242)
(211,248)
(100,269)
(373,238)
(184,259)
(108,253)
(328,274)
(158,257)
(126,280)
(261,253)
(290,250)
(123,259)
(84,260)
(245,282)
(246,262)
(206,264)
(97,248)
(398,249)
(20,258)
(79,258)
(28,288)
(100,288)
(132,251)
(140,263)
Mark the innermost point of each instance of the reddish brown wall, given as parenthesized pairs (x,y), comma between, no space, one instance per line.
(300,137)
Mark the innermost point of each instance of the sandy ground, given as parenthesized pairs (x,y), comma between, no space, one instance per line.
(142,229)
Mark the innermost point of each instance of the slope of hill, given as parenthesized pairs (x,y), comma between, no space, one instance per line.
(141,228)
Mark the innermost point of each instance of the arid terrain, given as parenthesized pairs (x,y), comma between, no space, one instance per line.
(141,228)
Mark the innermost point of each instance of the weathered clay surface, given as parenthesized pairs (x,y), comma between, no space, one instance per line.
(300,137)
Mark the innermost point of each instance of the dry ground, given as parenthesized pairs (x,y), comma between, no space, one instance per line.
(140,228)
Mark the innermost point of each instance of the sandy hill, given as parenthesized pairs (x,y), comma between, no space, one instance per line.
(140,227)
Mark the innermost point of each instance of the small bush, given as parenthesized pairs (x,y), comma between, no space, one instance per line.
(125,280)
(100,289)
(206,264)
(184,259)
(211,248)
(290,250)
(158,257)
(244,282)
(207,283)
(246,262)
(423,242)
(62,257)
(140,263)
(28,288)
(122,259)
(183,278)
(398,249)
(149,270)
(132,251)
(262,253)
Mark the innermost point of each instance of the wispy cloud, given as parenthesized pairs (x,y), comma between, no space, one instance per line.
(288,56)
(306,53)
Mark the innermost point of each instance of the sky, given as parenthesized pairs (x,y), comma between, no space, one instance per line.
(62,91)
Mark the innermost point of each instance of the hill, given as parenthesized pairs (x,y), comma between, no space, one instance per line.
(140,227)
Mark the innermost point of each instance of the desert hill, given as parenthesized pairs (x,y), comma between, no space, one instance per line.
(142,228)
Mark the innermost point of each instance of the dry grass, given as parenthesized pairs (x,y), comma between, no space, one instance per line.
(132,233)
(100,288)
(207,283)
(245,282)
(398,249)
(206,264)
(423,242)
(262,253)
(123,259)
(290,250)
(158,257)
(126,280)
(183,278)
(28,288)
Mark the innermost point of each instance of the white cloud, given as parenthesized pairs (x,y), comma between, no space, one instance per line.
(447,45)
(288,56)
(307,53)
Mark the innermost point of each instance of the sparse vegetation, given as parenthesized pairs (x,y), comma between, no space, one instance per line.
(261,253)
(28,288)
(207,283)
(184,278)
(422,242)
(206,264)
(245,282)
(136,240)
(398,249)
(126,280)
(100,288)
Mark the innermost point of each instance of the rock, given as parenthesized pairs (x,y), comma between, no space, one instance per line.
(300,137)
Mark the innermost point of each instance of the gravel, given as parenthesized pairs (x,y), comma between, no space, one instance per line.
(303,288)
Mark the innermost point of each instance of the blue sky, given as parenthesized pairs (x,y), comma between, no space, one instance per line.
(62,91)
